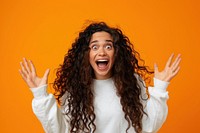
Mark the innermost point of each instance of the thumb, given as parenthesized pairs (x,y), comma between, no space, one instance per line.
(155,68)
(46,74)
(45,77)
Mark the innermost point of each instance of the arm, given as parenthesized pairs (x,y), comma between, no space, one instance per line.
(156,106)
(44,104)
(45,108)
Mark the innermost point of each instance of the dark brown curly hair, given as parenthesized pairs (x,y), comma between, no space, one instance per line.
(75,76)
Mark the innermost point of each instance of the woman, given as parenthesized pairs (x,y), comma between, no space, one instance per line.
(99,87)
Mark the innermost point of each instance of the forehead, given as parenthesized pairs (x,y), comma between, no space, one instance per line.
(102,35)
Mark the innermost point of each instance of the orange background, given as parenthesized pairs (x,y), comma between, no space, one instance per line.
(44,30)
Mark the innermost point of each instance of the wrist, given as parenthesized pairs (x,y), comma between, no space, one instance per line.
(39,91)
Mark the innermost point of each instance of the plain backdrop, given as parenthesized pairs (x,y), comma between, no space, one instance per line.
(43,30)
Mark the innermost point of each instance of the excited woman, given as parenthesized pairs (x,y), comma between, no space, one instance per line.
(100,87)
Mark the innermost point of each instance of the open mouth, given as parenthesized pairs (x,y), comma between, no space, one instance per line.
(102,64)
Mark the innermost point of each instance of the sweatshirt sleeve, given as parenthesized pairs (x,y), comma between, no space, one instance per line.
(49,114)
(155,107)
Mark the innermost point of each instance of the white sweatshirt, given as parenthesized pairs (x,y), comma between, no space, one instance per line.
(108,110)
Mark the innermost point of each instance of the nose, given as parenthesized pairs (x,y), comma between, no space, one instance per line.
(102,52)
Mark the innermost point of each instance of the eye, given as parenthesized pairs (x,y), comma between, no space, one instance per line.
(94,47)
(108,47)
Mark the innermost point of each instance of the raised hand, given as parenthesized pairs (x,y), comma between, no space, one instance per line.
(170,71)
(29,75)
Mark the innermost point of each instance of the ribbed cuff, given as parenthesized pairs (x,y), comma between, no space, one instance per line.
(160,85)
(40,91)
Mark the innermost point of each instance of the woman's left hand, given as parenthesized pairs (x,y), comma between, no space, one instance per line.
(170,71)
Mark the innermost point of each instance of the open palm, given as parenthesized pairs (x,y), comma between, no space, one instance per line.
(29,75)
(170,71)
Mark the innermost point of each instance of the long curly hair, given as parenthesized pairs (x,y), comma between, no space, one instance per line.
(75,76)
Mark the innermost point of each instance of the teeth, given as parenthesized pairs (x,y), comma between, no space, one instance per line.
(102,60)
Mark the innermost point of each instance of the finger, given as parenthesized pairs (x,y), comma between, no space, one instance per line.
(155,68)
(23,69)
(32,67)
(27,79)
(176,72)
(26,65)
(177,61)
(169,61)
(176,65)
(22,74)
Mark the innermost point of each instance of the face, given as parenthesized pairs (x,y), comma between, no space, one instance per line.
(101,54)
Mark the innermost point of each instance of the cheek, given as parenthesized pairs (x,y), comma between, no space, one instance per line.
(91,57)
(112,56)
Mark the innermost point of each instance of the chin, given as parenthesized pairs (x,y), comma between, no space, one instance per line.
(102,75)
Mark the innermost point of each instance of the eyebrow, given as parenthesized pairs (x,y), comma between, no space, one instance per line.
(97,41)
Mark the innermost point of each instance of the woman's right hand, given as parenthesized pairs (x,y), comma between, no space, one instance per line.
(29,75)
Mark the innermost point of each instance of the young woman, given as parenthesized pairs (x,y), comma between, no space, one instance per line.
(100,87)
